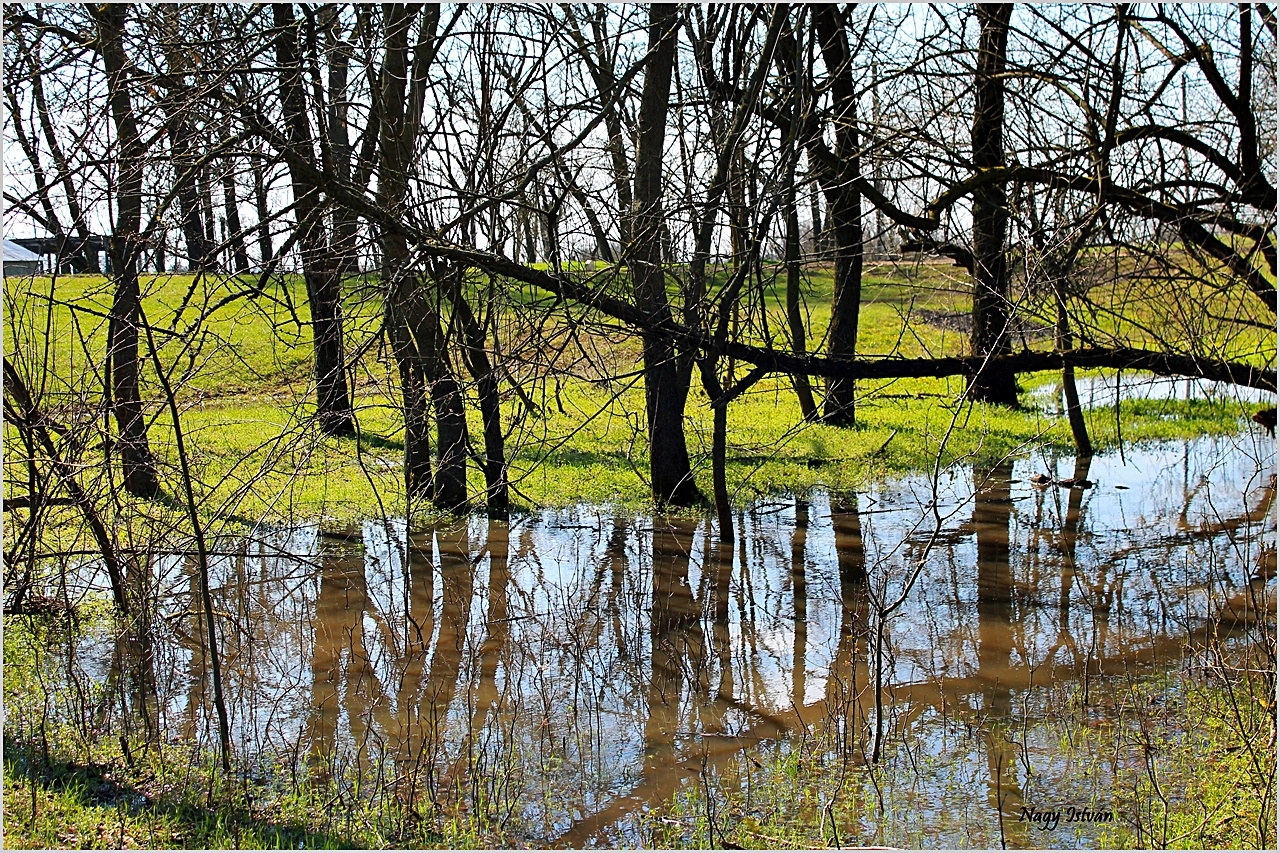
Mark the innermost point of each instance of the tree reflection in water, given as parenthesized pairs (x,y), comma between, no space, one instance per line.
(587,664)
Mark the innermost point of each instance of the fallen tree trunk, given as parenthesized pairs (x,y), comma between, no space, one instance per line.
(774,361)
(777,361)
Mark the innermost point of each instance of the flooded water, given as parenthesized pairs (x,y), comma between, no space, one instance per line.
(1103,389)
(573,670)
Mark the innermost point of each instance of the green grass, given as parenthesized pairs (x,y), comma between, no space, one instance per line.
(168,799)
(243,385)
(74,779)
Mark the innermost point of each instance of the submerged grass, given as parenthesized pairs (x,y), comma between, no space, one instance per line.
(1154,762)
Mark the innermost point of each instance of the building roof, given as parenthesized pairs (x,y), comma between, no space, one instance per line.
(13,253)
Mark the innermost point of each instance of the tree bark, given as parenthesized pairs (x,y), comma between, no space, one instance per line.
(404,308)
(185,162)
(449,488)
(845,218)
(265,251)
(64,173)
(339,55)
(795,319)
(666,385)
(140,476)
(210,229)
(994,383)
(189,211)
(1075,415)
(323,279)
(413,322)
(487,378)
(231,206)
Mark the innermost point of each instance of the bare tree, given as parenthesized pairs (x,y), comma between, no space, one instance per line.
(140,476)
(320,267)
(991,313)
(666,386)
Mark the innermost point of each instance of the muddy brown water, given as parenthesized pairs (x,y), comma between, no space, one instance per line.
(584,666)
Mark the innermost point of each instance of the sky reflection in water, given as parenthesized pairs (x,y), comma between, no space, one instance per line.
(600,661)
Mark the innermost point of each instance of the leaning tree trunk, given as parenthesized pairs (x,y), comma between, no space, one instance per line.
(122,345)
(990,334)
(319,266)
(666,385)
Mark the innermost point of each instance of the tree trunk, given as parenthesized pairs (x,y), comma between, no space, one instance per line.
(666,385)
(344,221)
(184,167)
(449,489)
(265,251)
(319,268)
(815,219)
(719,447)
(140,476)
(65,174)
(235,237)
(178,126)
(1075,416)
(487,380)
(414,323)
(990,214)
(795,320)
(413,381)
(405,309)
(844,221)
(605,77)
(206,206)
(845,224)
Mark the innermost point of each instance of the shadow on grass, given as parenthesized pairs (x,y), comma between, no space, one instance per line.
(188,823)
(373,440)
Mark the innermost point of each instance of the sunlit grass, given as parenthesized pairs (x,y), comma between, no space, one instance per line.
(243,377)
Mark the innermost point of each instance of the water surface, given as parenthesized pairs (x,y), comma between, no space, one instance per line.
(572,670)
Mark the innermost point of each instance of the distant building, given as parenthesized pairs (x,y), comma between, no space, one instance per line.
(68,254)
(19,261)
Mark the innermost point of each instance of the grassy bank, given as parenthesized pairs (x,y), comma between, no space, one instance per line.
(242,374)
(78,774)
